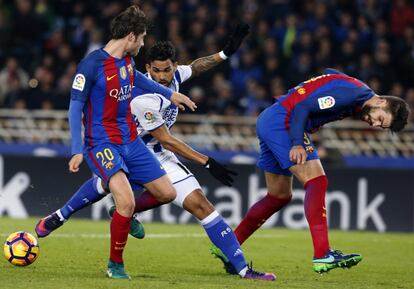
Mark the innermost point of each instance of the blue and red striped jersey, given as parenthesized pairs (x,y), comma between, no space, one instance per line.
(103,84)
(319,100)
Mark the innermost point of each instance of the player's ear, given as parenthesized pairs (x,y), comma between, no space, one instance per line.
(131,37)
(175,64)
(381,101)
(148,67)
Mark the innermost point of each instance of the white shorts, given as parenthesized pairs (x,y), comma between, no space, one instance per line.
(183,180)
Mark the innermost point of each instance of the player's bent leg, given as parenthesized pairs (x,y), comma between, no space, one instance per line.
(279,195)
(121,219)
(159,191)
(198,205)
(90,192)
(222,236)
(136,228)
(162,189)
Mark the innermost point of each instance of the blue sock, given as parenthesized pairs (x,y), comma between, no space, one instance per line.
(223,237)
(90,192)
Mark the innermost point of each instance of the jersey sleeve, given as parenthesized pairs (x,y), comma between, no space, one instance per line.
(75,124)
(147,109)
(83,81)
(344,95)
(183,73)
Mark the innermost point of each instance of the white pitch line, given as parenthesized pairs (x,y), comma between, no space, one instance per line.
(149,236)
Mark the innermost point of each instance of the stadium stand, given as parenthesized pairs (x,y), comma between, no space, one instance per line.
(348,138)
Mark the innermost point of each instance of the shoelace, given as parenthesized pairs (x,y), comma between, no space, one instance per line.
(338,252)
(52,222)
(252,271)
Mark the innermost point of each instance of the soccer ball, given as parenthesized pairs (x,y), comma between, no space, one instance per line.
(21,248)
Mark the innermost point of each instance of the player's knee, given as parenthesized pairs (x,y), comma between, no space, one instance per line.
(167,196)
(201,210)
(126,209)
(198,205)
(281,194)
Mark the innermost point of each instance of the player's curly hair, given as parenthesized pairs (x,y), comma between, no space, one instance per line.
(161,50)
(399,110)
(132,19)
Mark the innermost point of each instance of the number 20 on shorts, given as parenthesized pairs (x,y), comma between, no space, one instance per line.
(105,156)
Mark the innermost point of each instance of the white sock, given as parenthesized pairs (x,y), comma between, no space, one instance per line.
(243,271)
(61,218)
(209,218)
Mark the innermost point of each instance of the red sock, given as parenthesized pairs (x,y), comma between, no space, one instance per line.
(119,236)
(258,214)
(315,213)
(146,201)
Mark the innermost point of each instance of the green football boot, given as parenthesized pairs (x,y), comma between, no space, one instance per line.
(216,252)
(116,271)
(335,259)
(136,228)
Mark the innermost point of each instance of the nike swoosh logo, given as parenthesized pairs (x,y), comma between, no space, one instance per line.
(330,259)
(108,78)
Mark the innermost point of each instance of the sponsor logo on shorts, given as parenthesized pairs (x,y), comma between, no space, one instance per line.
(149,116)
(109,165)
(309,149)
(326,102)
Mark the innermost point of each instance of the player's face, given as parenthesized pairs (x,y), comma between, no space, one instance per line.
(377,116)
(135,42)
(162,71)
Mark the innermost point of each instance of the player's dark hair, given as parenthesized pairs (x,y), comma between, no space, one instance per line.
(130,20)
(161,50)
(399,110)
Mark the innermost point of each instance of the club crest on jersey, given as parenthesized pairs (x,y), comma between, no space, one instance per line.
(301,91)
(79,82)
(123,72)
(326,102)
(130,69)
(109,165)
(149,116)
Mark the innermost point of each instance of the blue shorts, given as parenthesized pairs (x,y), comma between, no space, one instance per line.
(275,143)
(135,159)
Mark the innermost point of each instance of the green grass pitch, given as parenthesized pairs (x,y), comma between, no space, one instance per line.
(177,256)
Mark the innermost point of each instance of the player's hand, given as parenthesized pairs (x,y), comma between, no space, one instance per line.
(298,155)
(220,172)
(235,39)
(181,100)
(75,163)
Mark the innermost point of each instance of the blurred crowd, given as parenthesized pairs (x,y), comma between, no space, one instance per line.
(42,41)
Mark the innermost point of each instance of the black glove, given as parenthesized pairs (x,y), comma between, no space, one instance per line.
(236,38)
(220,172)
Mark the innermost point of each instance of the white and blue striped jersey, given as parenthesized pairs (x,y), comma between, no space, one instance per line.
(152,110)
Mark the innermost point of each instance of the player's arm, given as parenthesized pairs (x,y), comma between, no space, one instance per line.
(205,63)
(147,109)
(233,43)
(81,86)
(171,143)
(146,84)
(300,114)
